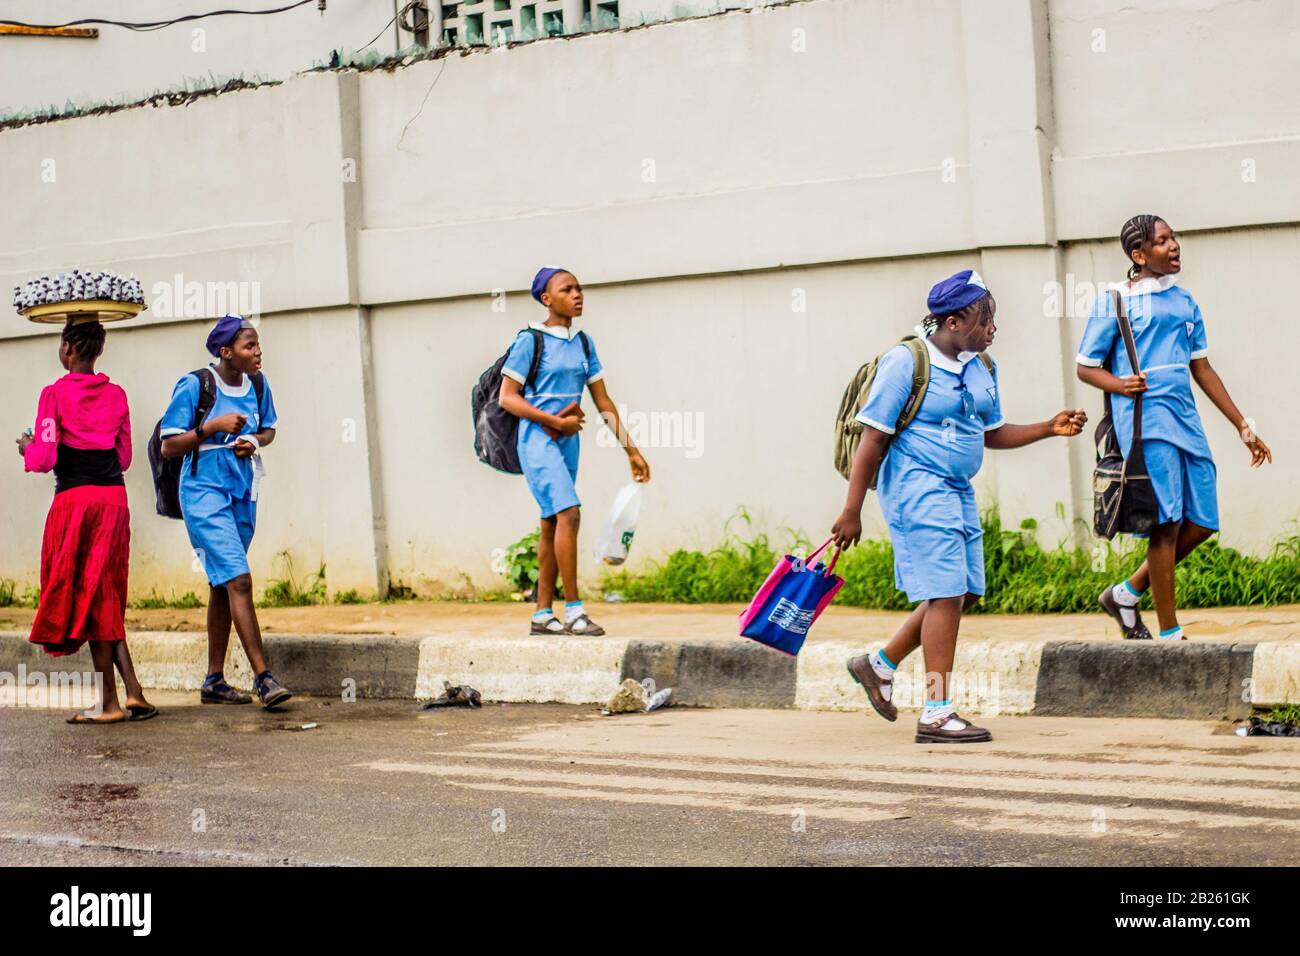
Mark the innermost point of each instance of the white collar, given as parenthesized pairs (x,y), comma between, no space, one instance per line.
(1148,285)
(232,391)
(559,331)
(941,360)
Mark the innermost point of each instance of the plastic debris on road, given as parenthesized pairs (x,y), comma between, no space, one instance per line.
(637,697)
(460,696)
(1268,728)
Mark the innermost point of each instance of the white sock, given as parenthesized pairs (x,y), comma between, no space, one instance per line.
(936,712)
(1175,633)
(1127,601)
(885,671)
(573,611)
(544,615)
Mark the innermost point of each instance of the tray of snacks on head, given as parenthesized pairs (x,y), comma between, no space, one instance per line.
(79,296)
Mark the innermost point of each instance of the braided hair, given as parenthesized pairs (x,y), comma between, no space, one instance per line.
(977,309)
(85,338)
(1137,232)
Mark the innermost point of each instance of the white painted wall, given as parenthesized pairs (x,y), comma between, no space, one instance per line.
(906,141)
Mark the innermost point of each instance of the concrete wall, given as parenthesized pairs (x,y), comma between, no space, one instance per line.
(757,202)
(120,65)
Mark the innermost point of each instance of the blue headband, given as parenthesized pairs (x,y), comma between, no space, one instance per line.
(956,292)
(224,332)
(543,278)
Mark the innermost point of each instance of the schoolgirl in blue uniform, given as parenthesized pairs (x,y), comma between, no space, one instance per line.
(1172,351)
(926,494)
(219,499)
(549,459)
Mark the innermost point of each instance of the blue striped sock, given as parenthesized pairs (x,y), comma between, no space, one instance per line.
(936,710)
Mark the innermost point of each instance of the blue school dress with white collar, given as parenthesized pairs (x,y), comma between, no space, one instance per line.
(219,501)
(551,465)
(1168,332)
(924,483)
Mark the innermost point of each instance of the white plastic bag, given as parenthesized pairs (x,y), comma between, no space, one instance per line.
(620,526)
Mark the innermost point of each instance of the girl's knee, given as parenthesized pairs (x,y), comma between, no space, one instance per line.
(241,586)
(570,517)
(970,601)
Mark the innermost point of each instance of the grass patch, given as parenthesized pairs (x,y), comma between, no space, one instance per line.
(155,601)
(1020,576)
(10,596)
(1288,714)
(287,591)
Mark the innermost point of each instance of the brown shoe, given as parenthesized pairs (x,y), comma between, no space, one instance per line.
(860,670)
(1138,632)
(967,733)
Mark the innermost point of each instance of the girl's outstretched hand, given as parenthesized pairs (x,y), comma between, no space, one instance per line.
(846,530)
(1069,423)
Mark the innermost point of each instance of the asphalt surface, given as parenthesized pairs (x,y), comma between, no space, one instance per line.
(383,783)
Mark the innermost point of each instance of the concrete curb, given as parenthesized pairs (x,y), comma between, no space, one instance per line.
(1198,680)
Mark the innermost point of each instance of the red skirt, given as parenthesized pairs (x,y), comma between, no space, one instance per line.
(84,558)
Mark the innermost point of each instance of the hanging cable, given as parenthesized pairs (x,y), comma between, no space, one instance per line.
(159,24)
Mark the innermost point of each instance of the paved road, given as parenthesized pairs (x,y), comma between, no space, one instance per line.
(378,782)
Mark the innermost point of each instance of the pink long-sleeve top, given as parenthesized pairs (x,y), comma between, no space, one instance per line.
(83,412)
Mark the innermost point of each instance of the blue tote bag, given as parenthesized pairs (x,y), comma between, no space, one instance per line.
(790,600)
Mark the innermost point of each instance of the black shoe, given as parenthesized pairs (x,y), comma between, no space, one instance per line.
(270,691)
(220,692)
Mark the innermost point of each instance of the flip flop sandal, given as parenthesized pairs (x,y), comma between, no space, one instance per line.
(583,626)
(142,713)
(1138,632)
(83,719)
(552,625)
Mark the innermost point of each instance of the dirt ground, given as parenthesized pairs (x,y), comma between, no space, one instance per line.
(692,622)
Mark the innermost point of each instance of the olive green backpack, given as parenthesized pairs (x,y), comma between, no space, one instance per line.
(848,430)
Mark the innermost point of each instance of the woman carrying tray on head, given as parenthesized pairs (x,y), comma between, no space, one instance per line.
(83,434)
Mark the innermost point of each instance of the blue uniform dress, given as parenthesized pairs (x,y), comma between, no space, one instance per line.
(551,465)
(924,482)
(1168,332)
(219,501)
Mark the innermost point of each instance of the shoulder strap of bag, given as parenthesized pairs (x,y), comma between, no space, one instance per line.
(207,398)
(539,343)
(586,346)
(1126,331)
(259,386)
(920,380)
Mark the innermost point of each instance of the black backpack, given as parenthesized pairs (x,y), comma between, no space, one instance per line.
(496,431)
(167,471)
